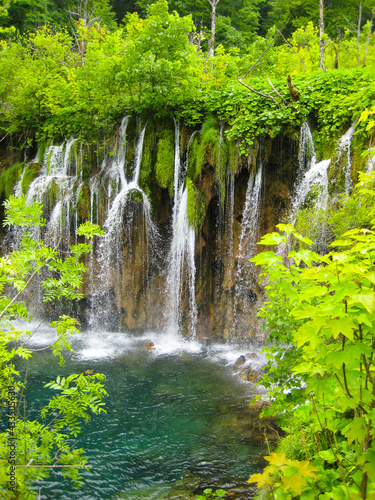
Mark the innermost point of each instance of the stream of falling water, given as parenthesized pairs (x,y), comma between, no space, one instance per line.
(344,150)
(312,173)
(182,251)
(119,222)
(245,277)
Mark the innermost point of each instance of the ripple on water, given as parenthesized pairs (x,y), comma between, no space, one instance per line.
(165,414)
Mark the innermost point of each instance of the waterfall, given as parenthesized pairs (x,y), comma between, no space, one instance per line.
(317,175)
(343,151)
(118,165)
(18,186)
(230,215)
(55,170)
(370,162)
(245,278)
(307,153)
(182,251)
(118,227)
(250,217)
(114,220)
(219,160)
(311,173)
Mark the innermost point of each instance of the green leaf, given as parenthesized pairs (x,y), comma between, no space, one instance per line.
(366,299)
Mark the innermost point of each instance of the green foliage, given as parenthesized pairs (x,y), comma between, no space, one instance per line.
(30,173)
(9,178)
(195,205)
(147,157)
(161,69)
(342,213)
(30,450)
(284,474)
(209,494)
(165,160)
(320,312)
(209,142)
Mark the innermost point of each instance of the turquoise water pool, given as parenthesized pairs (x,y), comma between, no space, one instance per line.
(171,412)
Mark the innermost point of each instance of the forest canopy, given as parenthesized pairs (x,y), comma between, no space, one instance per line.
(76,69)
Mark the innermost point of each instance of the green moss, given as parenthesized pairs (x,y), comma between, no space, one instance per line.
(233,156)
(195,205)
(164,167)
(136,196)
(53,194)
(83,204)
(41,151)
(30,173)
(192,158)
(147,156)
(9,178)
(209,144)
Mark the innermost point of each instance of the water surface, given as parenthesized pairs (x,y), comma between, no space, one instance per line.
(170,411)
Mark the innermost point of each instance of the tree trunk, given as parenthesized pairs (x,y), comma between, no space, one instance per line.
(321,35)
(211,44)
(368,39)
(359,30)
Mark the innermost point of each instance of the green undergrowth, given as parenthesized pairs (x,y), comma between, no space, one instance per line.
(164,167)
(343,213)
(9,179)
(195,205)
(320,377)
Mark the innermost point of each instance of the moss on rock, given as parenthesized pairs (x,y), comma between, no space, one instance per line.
(9,178)
(195,205)
(30,173)
(164,167)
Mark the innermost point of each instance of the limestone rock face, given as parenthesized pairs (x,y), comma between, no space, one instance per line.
(235,200)
(227,289)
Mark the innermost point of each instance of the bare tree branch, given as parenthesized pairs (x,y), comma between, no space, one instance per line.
(277,92)
(261,56)
(268,96)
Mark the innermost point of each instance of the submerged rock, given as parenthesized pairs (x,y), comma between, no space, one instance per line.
(191,485)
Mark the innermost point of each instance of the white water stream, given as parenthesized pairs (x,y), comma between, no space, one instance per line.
(119,220)
(182,251)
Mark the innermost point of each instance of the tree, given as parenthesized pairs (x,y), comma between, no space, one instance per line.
(321,35)
(211,44)
(161,69)
(30,449)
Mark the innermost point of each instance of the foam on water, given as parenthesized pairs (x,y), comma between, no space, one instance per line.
(96,345)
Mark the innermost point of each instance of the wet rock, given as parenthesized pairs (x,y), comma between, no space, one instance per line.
(239,363)
(247,370)
(191,485)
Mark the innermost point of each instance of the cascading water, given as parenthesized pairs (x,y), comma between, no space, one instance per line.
(370,162)
(56,173)
(230,214)
(313,174)
(344,151)
(250,217)
(182,252)
(245,279)
(317,175)
(307,153)
(118,227)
